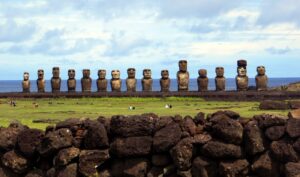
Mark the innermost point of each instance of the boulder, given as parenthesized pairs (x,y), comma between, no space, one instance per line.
(131,146)
(199,119)
(8,137)
(161,160)
(106,122)
(162,122)
(234,168)
(72,123)
(294,104)
(15,162)
(283,151)
(53,141)
(253,138)
(264,166)
(275,133)
(68,171)
(189,126)
(166,138)
(295,114)
(292,169)
(65,156)
(296,145)
(269,120)
(292,127)
(274,105)
(35,173)
(220,150)
(229,130)
(187,173)
(90,160)
(155,172)
(203,167)
(96,136)
(230,114)
(105,173)
(201,139)
(138,167)
(28,141)
(182,154)
(128,126)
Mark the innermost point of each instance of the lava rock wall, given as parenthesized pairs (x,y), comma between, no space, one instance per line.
(222,144)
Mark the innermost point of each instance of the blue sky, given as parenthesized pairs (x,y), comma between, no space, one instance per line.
(118,34)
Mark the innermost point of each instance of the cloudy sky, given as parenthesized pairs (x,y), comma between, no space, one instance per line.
(118,34)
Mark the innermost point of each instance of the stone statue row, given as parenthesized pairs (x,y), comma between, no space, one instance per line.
(182,79)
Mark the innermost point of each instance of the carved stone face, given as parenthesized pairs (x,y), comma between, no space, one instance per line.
(147,73)
(220,71)
(165,74)
(202,73)
(40,74)
(242,71)
(115,74)
(101,73)
(55,72)
(86,73)
(71,73)
(26,76)
(183,65)
(131,72)
(261,70)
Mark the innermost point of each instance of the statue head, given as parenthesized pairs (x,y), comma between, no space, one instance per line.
(115,74)
(261,70)
(165,74)
(131,72)
(242,63)
(26,76)
(220,71)
(40,74)
(183,65)
(55,72)
(71,73)
(202,73)
(101,73)
(242,71)
(147,73)
(86,73)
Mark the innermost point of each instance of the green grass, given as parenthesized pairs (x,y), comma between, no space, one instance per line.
(63,108)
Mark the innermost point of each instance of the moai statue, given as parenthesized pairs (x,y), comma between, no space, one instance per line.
(26,82)
(165,81)
(55,80)
(115,81)
(40,81)
(220,80)
(86,81)
(71,80)
(261,79)
(202,80)
(147,80)
(102,81)
(242,78)
(183,76)
(131,81)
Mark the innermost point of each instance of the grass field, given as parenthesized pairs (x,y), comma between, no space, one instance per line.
(27,110)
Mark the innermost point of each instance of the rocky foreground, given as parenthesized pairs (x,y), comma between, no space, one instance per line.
(224,144)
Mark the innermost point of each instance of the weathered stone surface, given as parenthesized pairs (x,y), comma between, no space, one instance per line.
(294,104)
(199,118)
(35,173)
(15,162)
(296,145)
(294,114)
(283,151)
(217,149)
(201,139)
(269,120)
(231,114)
(203,167)
(89,160)
(273,105)
(5,172)
(189,126)
(136,167)
(68,171)
(275,133)
(229,130)
(161,160)
(292,127)
(28,141)
(264,166)
(162,122)
(254,138)
(182,154)
(54,141)
(131,126)
(96,136)
(65,156)
(131,146)
(292,169)
(8,137)
(105,173)
(155,172)
(234,168)
(187,173)
(70,123)
(166,138)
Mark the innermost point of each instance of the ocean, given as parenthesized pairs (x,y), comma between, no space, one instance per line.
(16,85)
